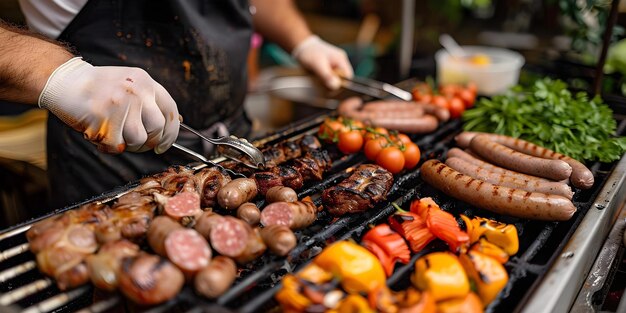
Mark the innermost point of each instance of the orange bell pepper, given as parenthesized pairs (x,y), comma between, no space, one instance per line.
(441,223)
(441,274)
(489,275)
(358,269)
(314,274)
(387,245)
(412,228)
(354,304)
(414,301)
(487,248)
(289,296)
(468,304)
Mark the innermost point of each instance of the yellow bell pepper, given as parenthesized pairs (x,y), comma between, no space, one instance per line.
(358,269)
(289,296)
(500,234)
(442,275)
(414,301)
(488,274)
(315,274)
(354,304)
(485,247)
(468,304)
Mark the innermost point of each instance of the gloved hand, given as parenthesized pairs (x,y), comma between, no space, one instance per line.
(323,59)
(116,108)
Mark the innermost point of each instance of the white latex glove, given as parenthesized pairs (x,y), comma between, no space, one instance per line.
(117,108)
(323,59)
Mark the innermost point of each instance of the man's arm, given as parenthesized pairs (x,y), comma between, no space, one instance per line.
(281,22)
(26,62)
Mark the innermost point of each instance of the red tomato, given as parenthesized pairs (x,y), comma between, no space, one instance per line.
(456,108)
(426,98)
(412,155)
(403,138)
(472,87)
(330,129)
(468,98)
(392,159)
(440,101)
(378,131)
(350,141)
(373,147)
(449,90)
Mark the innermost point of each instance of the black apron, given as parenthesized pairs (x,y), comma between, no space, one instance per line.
(196,49)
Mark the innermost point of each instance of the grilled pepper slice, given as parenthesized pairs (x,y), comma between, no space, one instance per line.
(487,273)
(358,269)
(314,274)
(388,247)
(412,228)
(289,296)
(441,223)
(468,304)
(411,300)
(354,304)
(500,234)
(487,248)
(441,274)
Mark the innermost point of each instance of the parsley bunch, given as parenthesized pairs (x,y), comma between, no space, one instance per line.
(548,114)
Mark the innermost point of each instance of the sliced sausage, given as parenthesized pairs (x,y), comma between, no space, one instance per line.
(294,215)
(149,279)
(281,193)
(478,172)
(188,250)
(250,213)
(517,161)
(280,239)
(158,231)
(234,238)
(215,279)
(185,204)
(236,193)
(498,199)
(205,222)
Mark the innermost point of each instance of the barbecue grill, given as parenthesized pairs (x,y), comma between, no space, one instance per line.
(545,275)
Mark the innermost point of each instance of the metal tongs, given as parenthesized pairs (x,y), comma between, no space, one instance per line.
(374,88)
(231,147)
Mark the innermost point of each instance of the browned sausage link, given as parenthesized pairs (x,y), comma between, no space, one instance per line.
(346,107)
(280,239)
(237,192)
(463,139)
(216,278)
(424,124)
(458,153)
(478,172)
(498,199)
(249,212)
(442,114)
(158,231)
(295,215)
(204,223)
(254,248)
(281,193)
(581,176)
(517,161)
(393,106)
(149,279)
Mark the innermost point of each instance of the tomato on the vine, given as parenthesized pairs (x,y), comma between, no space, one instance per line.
(440,101)
(456,107)
(412,155)
(392,159)
(374,146)
(350,141)
(376,133)
(468,98)
(330,129)
(403,138)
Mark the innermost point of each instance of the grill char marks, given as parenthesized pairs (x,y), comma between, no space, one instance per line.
(366,186)
(209,181)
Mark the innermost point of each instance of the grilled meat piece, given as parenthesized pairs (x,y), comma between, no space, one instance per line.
(281,175)
(209,181)
(129,218)
(313,165)
(366,186)
(104,267)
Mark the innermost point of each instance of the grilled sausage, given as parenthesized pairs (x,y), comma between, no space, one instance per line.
(234,238)
(463,139)
(521,162)
(280,239)
(149,279)
(205,222)
(236,193)
(182,206)
(294,215)
(215,279)
(188,250)
(499,199)
(394,107)
(478,172)
(250,213)
(424,124)
(158,231)
(104,267)
(281,193)
(442,114)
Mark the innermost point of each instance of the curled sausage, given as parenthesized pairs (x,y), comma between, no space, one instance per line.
(498,199)
(215,279)
(478,172)
(237,192)
(250,213)
(281,193)
(521,162)
(294,215)
(280,239)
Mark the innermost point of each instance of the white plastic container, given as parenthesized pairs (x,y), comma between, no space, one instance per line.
(491,79)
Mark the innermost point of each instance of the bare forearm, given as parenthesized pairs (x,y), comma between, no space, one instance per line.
(26,62)
(281,22)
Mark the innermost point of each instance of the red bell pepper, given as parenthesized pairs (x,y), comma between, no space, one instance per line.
(412,228)
(387,245)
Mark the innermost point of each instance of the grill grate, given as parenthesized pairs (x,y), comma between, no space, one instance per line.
(22,285)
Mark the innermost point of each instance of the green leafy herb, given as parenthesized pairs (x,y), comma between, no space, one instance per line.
(548,114)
